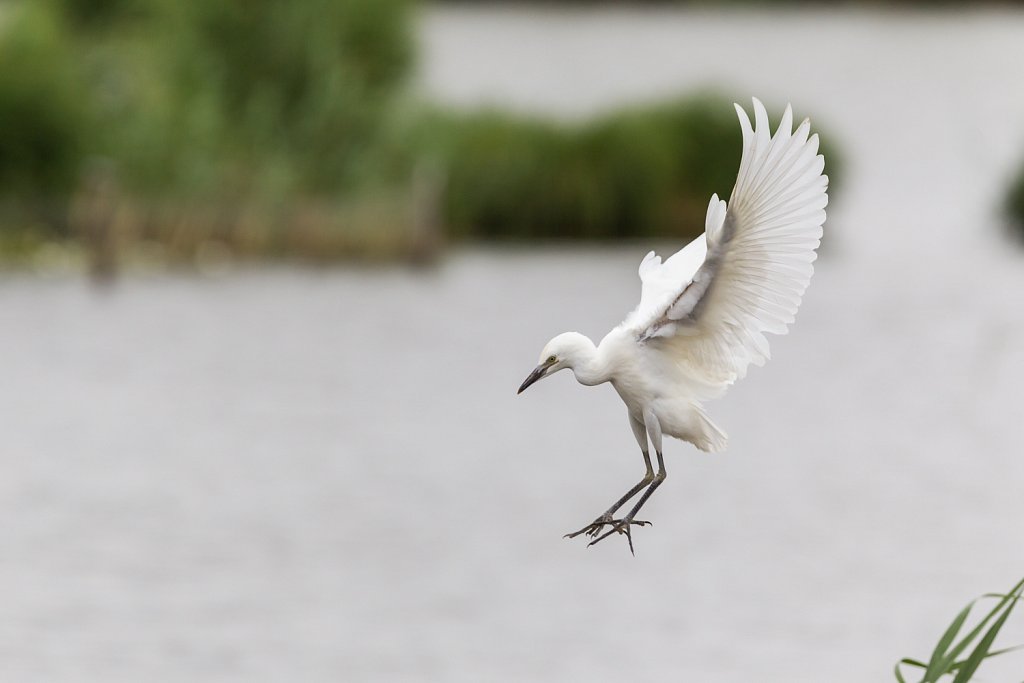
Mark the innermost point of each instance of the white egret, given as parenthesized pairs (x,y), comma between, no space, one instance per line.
(704,311)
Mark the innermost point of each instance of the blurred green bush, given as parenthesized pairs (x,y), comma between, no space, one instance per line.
(231,98)
(43,109)
(640,172)
(308,83)
(1015,204)
(270,98)
(190,109)
(280,127)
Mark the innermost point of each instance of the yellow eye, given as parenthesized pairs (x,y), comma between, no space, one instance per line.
(551,359)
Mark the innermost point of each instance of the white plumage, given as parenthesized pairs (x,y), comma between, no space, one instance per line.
(704,311)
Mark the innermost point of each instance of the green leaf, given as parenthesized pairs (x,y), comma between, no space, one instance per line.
(909,662)
(913,662)
(934,669)
(969,638)
(981,651)
(958,665)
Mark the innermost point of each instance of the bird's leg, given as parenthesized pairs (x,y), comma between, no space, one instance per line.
(595,527)
(622,525)
(640,433)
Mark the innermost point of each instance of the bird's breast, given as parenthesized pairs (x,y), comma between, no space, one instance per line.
(629,369)
(633,387)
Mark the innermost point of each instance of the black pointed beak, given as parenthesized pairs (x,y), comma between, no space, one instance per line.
(537,373)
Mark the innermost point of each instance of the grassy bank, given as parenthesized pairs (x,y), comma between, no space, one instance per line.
(285,130)
(644,171)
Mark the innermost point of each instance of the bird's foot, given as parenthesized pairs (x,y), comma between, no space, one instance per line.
(594,528)
(621,526)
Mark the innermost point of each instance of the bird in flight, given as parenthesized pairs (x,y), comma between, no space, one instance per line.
(704,311)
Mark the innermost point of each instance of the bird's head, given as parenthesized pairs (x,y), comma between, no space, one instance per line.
(564,351)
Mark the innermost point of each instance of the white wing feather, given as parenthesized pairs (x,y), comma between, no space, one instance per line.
(709,305)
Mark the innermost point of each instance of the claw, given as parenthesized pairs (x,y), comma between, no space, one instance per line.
(618,526)
(594,528)
(597,526)
(619,529)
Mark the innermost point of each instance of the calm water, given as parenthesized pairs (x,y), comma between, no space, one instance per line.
(327,476)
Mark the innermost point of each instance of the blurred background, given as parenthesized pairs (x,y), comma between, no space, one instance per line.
(272,272)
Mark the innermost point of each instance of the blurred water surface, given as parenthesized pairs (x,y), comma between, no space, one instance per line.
(327,476)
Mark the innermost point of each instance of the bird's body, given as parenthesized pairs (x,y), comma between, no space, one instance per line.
(645,378)
(704,311)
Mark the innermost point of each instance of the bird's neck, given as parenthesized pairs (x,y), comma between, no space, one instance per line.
(589,364)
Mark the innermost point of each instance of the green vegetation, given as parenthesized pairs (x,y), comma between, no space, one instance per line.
(43,120)
(640,172)
(178,122)
(1015,204)
(950,657)
(244,98)
(274,128)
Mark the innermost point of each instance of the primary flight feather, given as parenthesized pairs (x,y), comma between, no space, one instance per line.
(703,312)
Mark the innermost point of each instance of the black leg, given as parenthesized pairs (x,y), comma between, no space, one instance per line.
(622,525)
(595,527)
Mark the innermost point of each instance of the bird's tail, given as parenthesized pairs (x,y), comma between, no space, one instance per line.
(709,437)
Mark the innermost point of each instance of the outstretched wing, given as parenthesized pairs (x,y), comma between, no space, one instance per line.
(710,304)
